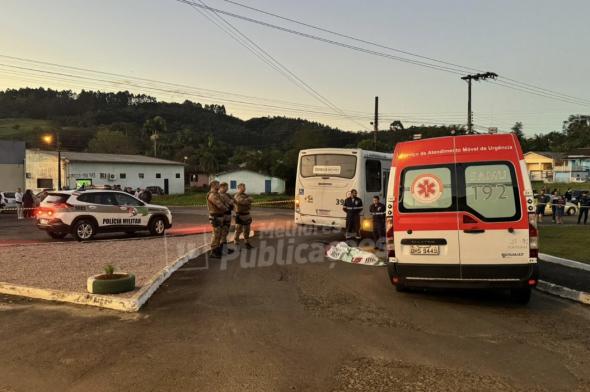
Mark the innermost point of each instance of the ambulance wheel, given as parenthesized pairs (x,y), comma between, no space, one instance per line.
(157,226)
(521,295)
(56,235)
(83,230)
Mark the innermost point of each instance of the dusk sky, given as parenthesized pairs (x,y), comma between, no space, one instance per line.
(541,42)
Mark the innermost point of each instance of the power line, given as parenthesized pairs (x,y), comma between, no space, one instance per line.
(269,59)
(450,69)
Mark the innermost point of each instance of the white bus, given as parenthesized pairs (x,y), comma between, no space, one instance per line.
(325,177)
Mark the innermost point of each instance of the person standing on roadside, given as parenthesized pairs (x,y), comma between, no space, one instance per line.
(554,198)
(568,195)
(28,203)
(217,210)
(353,206)
(377,210)
(243,204)
(146,196)
(18,198)
(560,209)
(542,200)
(584,207)
(228,201)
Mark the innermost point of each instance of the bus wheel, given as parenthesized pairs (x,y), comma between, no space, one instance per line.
(521,295)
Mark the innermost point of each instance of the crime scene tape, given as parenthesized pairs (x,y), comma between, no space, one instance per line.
(280,203)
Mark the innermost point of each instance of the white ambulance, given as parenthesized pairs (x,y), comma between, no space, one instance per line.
(460,212)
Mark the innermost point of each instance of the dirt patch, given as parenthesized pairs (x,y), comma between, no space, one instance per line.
(367,374)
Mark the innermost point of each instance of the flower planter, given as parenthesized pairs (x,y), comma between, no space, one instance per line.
(110,284)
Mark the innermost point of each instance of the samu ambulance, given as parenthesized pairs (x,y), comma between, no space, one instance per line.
(460,213)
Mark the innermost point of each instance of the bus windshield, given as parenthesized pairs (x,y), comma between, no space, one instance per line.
(328,165)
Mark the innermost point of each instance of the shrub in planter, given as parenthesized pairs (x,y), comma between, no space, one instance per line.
(110,282)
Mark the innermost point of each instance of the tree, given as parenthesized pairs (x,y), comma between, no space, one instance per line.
(396,126)
(111,142)
(517,130)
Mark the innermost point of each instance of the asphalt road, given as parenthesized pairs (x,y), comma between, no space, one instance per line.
(186,220)
(283,318)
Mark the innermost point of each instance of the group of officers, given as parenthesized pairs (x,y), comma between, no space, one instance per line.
(353,206)
(222,206)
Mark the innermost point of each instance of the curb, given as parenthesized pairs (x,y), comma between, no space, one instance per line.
(131,304)
(564,262)
(564,292)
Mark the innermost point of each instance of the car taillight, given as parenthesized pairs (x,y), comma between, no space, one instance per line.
(297,202)
(389,244)
(533,236)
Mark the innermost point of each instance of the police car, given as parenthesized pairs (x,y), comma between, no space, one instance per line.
(85,213)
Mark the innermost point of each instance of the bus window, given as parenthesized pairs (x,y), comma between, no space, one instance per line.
(373,175)
(328,165)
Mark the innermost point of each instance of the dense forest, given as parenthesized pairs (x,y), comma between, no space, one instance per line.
(204,136)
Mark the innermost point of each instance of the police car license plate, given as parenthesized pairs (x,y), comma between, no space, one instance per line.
(425,250)
(43,221)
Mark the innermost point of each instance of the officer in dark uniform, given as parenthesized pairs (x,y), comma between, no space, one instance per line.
(584,207)
(353,206)
(377,211)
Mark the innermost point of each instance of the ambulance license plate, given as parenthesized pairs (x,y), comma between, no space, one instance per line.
(425,250)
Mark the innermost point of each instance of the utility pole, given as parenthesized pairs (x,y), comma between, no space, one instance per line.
(58,145)
(469,78)
(376,123)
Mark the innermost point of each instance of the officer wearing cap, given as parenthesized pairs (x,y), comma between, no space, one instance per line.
(217,210)
(229,205)
(243,219)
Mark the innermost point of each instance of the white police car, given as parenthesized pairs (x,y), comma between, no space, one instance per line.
(85,213)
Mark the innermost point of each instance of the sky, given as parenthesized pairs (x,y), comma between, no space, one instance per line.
(539,42)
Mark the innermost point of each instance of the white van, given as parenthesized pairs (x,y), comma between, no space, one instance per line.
(460,212)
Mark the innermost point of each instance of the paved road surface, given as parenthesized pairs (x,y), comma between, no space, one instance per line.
(186,220)
(256,324)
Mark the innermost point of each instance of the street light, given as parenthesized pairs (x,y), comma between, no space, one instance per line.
(49,139)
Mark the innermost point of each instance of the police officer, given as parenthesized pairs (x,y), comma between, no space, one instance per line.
(228,201)
(217,210)
(353,206)
(377,211)
(243,204)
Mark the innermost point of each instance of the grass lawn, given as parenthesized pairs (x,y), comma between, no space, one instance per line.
(570,242)
(198,198)
(23,127)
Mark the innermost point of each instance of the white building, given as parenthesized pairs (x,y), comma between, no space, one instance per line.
(135,171)
(12,165)
(256,183)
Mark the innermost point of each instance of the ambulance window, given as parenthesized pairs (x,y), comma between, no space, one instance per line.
(426,189)
(373,175)
(491,191)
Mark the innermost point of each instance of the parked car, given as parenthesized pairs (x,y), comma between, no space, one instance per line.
(7,200)
(570,209)
(156,190)
(85,213)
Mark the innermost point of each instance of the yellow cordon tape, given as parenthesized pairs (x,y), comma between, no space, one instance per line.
(260,203)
